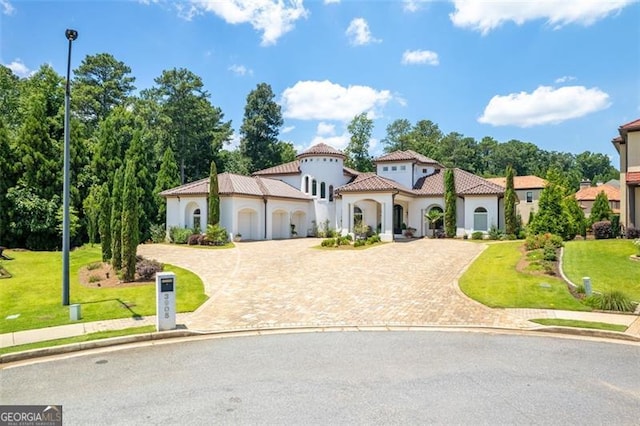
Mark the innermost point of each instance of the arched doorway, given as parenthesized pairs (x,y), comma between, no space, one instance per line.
(248,224)
(434,220)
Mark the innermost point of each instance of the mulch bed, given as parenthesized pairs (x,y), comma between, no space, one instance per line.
(102,275)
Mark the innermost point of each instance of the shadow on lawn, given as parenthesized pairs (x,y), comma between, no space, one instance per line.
(126,305)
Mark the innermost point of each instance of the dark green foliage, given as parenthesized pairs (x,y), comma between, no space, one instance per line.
(33,221)
(613,300)
(217,235)
(494,233)
(141,154)
(449,204)
(260,128)
(158,233)
(510,199)
(615,225)
(130,234)
(168,177)
(601,229)
(213,217)
(549,253)
(233,162)
(575,215)
(600,210)
(116,220)
(91,205)
(104,222)
(328,242)
(550,217)
(357,150)
(7,180)
(477,235)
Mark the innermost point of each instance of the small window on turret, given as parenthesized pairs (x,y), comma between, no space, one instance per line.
(424,170)
(385,168)
(394,168)
(403,167)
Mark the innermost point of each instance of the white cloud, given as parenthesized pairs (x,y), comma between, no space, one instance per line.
(19,68)
(484,16)
(420,57)
(412,5)
(331,1)
(564,79)
(234,142)
(240,70)
(273,18)
(545,105)
(287,129)
(359,33)
(325,128)
(7,7)
(324,100)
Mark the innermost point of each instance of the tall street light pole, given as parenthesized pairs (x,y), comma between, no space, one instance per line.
(71,36)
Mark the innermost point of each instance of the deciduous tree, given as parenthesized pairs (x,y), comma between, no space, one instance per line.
(357,151)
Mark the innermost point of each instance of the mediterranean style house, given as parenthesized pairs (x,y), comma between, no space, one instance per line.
(628,146)
(587,194)
(528,189)
(317,191)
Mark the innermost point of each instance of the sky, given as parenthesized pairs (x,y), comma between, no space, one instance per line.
(563,75)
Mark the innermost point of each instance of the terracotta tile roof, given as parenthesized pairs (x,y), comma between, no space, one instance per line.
(371,182)
(633,125)
(290,168)
(350,172)
(633,177)
(466,184)
(521,182)
(321,149)
(407,155)
(589,193)
(617,139)
(232,184)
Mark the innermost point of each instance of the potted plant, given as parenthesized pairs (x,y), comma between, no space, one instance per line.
(237,237)
(409,232)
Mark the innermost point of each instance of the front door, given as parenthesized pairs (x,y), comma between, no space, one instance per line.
(398,214)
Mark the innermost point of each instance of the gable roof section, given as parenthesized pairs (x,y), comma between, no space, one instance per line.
(291,168)
(466,184)
(589,193)
(521,182)
(371,182)
(321,149)
(633,178)
(232,184)
(407,155)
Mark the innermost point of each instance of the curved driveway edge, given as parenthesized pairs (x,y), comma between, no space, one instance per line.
(289,283)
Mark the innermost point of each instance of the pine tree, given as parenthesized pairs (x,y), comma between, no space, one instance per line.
(214,198)
(510,219)
(600,209)
(104,222)
(116,220)
(168,177)
(449,204)
(130,235)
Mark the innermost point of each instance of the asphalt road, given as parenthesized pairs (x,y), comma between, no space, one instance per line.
(342,378)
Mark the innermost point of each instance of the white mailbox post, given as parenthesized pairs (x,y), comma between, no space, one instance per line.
(165,301)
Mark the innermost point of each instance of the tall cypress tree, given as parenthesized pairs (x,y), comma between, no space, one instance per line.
(130,234)
(116,220)
(510,198)
(214,199)
(168,177)
(104,222)
(449,204)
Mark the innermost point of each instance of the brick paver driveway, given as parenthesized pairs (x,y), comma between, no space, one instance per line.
(288,283)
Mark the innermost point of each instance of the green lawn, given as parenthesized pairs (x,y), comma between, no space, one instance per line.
(35,292)
(580,324)
(606,262)
(494,281)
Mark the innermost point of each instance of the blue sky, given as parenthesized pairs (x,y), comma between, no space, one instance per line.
(561,74)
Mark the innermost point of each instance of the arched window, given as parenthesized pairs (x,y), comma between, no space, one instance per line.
(323,190)
(306,184)
(330,192)
(196,220)
(480,219)
(314,187)
(357,215)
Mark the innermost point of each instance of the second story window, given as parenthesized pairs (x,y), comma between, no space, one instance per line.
(403,167)
(394,168)
(529,197)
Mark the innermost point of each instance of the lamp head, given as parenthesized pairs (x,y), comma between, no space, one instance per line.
(71,34)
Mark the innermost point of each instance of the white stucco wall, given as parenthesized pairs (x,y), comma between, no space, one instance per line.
(490,203)
(180,211)
(367,202)
(403,177)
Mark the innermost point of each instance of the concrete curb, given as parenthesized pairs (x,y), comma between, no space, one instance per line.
(175,334)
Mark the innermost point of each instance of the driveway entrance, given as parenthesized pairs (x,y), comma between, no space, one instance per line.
(289,283)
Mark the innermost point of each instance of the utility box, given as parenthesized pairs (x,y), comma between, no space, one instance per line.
(165,301)
(74,312)
(586,281)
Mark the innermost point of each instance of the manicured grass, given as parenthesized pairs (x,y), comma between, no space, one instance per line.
(79,339)
(35,292)
(494,281)
(580,324)
(606,262)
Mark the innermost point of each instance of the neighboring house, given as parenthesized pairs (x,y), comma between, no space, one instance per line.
(317,191)
(528,189)
(628,146)
(587,195)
